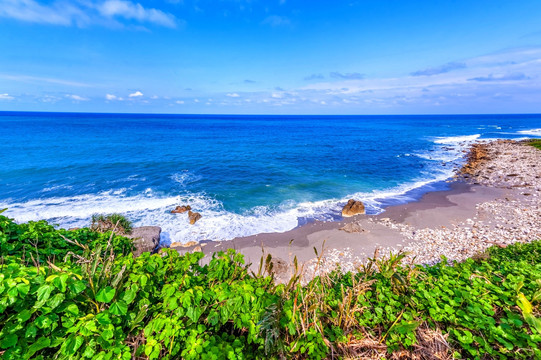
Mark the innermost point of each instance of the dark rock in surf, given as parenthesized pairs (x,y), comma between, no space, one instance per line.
(181,209)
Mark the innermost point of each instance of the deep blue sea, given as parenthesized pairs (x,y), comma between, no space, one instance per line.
(244,174)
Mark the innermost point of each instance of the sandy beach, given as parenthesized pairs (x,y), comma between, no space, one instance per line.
(493,200)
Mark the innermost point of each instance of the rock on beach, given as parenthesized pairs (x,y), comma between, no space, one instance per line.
(145,238)
(353,207)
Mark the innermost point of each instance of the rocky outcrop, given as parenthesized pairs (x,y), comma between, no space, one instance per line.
(145,239)
(181,209)
(353,207)
(193,216)
(476,157)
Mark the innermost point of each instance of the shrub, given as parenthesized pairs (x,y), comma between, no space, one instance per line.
(98,302)
(112,222)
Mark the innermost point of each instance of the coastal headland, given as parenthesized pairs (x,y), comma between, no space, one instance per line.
(494,199)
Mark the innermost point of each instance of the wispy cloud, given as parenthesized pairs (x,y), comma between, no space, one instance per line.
(31,11)
(76,97)
(275,20)
(508,77)
(346,76)
(233,95)
(485,82)
(439,69)
(6,97)
(83,13)
(136,94)
(248,81)
(38,79)
(314,77)
(112,97)
(131,11)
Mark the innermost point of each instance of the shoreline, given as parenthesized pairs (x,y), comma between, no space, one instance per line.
(419,227)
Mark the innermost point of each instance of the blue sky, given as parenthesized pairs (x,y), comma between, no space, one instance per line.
(271,57)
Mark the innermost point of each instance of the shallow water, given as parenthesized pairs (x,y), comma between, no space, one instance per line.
(245,174)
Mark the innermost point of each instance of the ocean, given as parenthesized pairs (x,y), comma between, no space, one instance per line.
(245,174)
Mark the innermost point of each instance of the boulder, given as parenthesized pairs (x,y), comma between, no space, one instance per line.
(193,216)
(181,209)
(352,228)
(145,238)
(353,207)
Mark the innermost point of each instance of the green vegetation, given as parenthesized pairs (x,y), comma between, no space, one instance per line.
(535,143)
(88,298)
(112,222)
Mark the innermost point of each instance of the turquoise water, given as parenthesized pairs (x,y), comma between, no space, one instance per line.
(244,174)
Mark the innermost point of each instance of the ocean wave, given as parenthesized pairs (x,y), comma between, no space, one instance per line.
(150,208)
(57,187)
(534,132)
(453,140)
(439,155)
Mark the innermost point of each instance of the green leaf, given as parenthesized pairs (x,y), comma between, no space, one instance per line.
(77,287)
(55,300)
(24,315)
(9,341)
(44,291)
(118,308)
(31,332)
(72,309)
(129,296)
(40,343)
(73,344)
(23,289)
(106,295)
(43,321)
(107,334)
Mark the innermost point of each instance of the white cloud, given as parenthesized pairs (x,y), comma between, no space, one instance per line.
(136,94)
(76,97)
(83,13)
(6,97)
(154,97)
(129,10)
(31,11)
(233,95)
(111,97)
(180,102)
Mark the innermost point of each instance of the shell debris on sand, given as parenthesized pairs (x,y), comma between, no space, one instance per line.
(515,217)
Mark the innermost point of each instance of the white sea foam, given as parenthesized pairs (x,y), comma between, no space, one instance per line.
(534,132)
(185,177)
(217,223)
(453,140)
(439,155)
(57,187)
